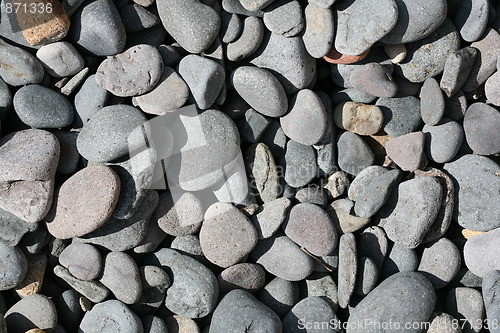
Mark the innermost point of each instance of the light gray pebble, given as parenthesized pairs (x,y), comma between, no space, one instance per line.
(440,262)
(263,172)
(189,245)
(373,79)
(309,310)
(249,40)
(155,281)
(247,276)
(441,322)
(83,261)
(111,315)
(19,66)
(352,95)
(443,140)
(180,217)
(14,266)
(481,122)
(5,99)
(322,285)
(235,7)
(93,290)
(432,102)
(280,295)
(36,311)
(367,276)
(491,89)
(466,305)
(313,195)
(319,30)
(301,165)
(153,324)
(471,19)
(269,217)
(230,27)
(481,254)
(456,69)
(284,17)
(373,243)
(254,5)
(60,59)
(347,269)
(401,114)
(354,154)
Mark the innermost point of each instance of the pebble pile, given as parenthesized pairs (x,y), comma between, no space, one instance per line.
(264,166)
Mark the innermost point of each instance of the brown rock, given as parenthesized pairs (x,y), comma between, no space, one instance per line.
(468,234)
(407,151)
(334,57)
(359,118)
(33,280)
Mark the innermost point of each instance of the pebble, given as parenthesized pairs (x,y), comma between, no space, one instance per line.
(110,315)
(310,310)
(373,243)
(104,137)
(306,120)
(169,94)
(93,290)
(336,184)
(358,118)
(419,20)
(261,90)
(280,256)
(34,311)
(154,236)
(432,102)
(178,324)
(235,7)
(456,106)
(481,122)
(192,24)
(270,216)
(401,114)
(405,297)
(399,259)
(137,18)
(239,310)
(98,18)
(248,42)
(49,109)
(340,213)
(182,217)
(230,27)
(443,141)
(441,322)
(418,203)
(471,19)
(155,282)
(153,324)
(491,89)
(247,276)
(194,291)
(373,79)
(367,276)
(14,266)
(440,262)
(481,254)
(347,269)
(69,156)
(466,305)
(360,24)
(288,60)
(319,30)
(235,188)
(83,261)
(60,59)
(301,165)
(310,226)
(457,68)
(5,99)
(280,295)
(120,275)
(226,235)
(407,151)
(88,100)
(69,311)
(13,228)
(476,182)
(489,291)
(95,186)
(253,126)
(313,195)
(19,67)
(322,285)
(263,172)
(204,78)
(371,188)
(255,5)
(395,52)
(354,154)
(284,17)
(427,56)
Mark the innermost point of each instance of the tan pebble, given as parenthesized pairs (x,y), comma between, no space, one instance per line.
(335,57)
(35,330)
(396,52)
(33,281)
(468,234)
(178,324)
(337,184)
(359,118)
(85,304)
(340,213)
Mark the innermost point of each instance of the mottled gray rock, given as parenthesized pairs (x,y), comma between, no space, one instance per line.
(261,90)
(111,315)
(401,114)
(249,40)
(348,268)
(180,217)
(471,19)
(491,89)
(440,262)
(19,67)
(93,290)
(319,30)
(192,24)
(280,295)
(121,275)
(456,69)
(155,281)
(400,259)
(263,172)
(405,297)
(253,126)
(269,217)
(301,164)
(313,195)
(431,102)
(476,183)
(239,310)
(407,151)
(12,228)
(418,204)
(83,261)
(284,17)
(310,310)
(490,290)
(456,106)
(88,100)
(14,266)
(345,221)
(60,59)
(322,285)
(34,311)
(354,154)
(41,107)
(373,79)
(481,253)
(247,276)
(98,29)
(481,122)
(367,276)
(466,305)
(443,140)
(230,27)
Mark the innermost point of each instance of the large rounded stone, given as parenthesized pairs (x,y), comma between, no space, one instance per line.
(110,316)
(481,123)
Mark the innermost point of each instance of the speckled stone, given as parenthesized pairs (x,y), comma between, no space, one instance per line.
(359,118)
(249,40)
(431,102)
(407,151)
(456,69)
(440,262)
(121,275)
(491,89)
(443,141)
(19,66)
(88,100)
(179,324)
(353,153)
(83,261)
(35,310)
(93,290)
(401,114)
(14,266)
(280,295)
(471,19)
(466,305)
(269,217)
(13,228)
(489,291)
(301,164)
(154,324)
(441,322)
(247,276)
(319,30)
(253,126)
(400,259)
(155,281)
(263,172)
(347,269)
(456,106)
(284,17)
(180,217)
(374,79)
(230,27)
(481,253)
(481,123)
(60,59)
(113,315)
(310,310)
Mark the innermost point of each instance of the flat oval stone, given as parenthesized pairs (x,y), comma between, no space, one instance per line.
(440,262)
(418,203)
(481,253)
(310,226)
(427,57)
(416,20)
(133,72)
(84,202)
(192,24)
(88,100)
(19,67)
(60,59)
(98,28)
(481,122)
(111,315)
(194,291)
(354,154)
(284,17)
(466,304)
(280,256)
(360,24)
(399,259)
(269,217)
(471,19)
(401,114)
(121,275)
(226,235)
(431,102)
(476,186)
(249,40)
(104,136)
(405,297)
(246,276)
(182,217)
(306,121)
(301,165)
(14,266)
(310,310)
(373,79)
(367,276)
(319,30)
(92,290)
(239,310)
(407,151)
(82,260)
(348,268)
(443,141)
(261,90)
(41,107)
(36,311)
(280,295)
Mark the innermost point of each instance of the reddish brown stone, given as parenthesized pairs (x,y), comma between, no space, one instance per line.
(334,57)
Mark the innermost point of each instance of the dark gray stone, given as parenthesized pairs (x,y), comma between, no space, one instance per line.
(249,40)
(354,154)
(456,70)
(301,164)
(5,99)
(14,266)
(456,106)
(182,217)
(401,114)
(440,262)
(481,123)
(155,282)
(33,311)
(69,311)
(69,156)
(313,195)
(137,18)
(12,228)
(320,284)
(153,324)
(88,100)
(373,243)
(253,125)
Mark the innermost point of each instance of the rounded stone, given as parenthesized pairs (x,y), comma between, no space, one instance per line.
(354,154)
(226,235)
(280,295)
(41,107)
(246,276)
(284,17)
(440,262)
(467,306)
(301,165)
(443,141)
(374,79)
(82,260)
(432,102)
(441,322)
(491,89)
(19,67)
(230,27)
(249,40)
(359,118)
(310,310)
(34,311)
(133,72)
(84,202)
(182,217)
(5,99)
(269,217)
(407,151)
(400,259)
(401,114)
(481,254)
(367,276)
(261,90)
(88,100)
(110,315)
(120,275)
(60,59)
(178,324)
(319,30)
(347,269)
(373,244)
(471,19)
(481,123)
(154,324)
(13,266)
(310,226)
(104,137)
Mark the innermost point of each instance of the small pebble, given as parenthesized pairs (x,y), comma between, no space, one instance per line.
(432,102)
(373,79)
(443,141)
(396,52)
(309,310)
(110,315)
(263,172)
(36,311)
(178,324)
(466,305)
(14,266)
(93,290)
(120,275)
(367,276)
(284,17)
(440,262)
(301,164)
(456,70)
(247,276)
(230,27)
(253,126)
(88,100)
(481,254)
(340,213)
(401,114)
(182,217)
(491,89)
(82,260)
(280,295)
(348,268)
(407,151)
(471,19)
(359,118)
(319,30)
(354,154)
(249,40)
(400,259)
(19,66)
(481,122)
(269,217)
